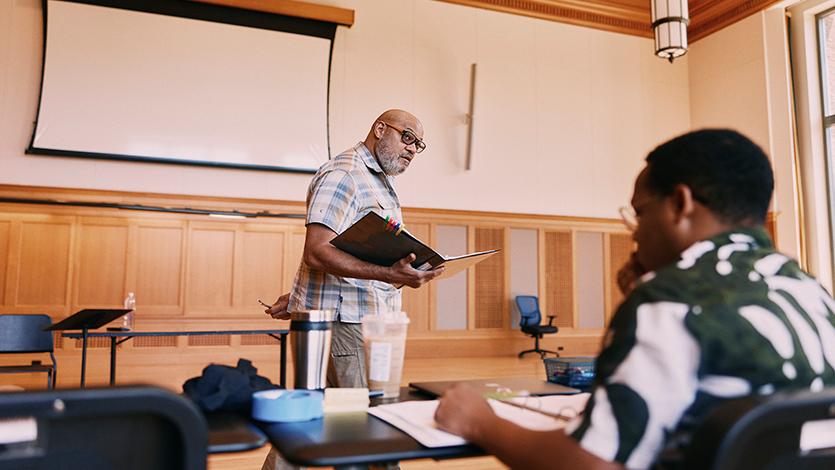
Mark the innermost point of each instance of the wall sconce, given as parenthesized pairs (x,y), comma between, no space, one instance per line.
(669,23)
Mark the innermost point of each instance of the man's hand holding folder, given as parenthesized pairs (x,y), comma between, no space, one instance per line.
(378,241)
(402,268)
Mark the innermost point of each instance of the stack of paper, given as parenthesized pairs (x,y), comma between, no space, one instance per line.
(345,400)
(417,418)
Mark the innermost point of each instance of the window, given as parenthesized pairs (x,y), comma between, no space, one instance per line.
(826,50)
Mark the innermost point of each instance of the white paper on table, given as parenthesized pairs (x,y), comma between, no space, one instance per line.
(417,418)
(14,430)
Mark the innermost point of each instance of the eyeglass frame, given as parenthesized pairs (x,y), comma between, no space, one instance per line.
(629,215)
(420,145)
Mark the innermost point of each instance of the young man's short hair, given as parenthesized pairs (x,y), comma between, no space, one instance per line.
(725,171)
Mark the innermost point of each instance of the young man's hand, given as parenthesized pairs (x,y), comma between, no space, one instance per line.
(463,411)
(629,274)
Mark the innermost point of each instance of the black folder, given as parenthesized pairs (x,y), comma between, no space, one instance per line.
(377,241)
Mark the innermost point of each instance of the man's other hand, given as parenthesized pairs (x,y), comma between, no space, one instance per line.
(402,273)
(279,309)
(463,411)
(629,273)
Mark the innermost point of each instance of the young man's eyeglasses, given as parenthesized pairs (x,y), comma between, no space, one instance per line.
(408,137)
(629,215)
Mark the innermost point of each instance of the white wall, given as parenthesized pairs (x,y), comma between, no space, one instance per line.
(739,79)
(564,114)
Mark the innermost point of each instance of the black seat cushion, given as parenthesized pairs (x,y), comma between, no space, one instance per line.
(540,329)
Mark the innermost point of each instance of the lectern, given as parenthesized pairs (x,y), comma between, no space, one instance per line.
(84,320)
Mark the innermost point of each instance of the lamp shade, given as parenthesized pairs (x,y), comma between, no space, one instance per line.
(669,24)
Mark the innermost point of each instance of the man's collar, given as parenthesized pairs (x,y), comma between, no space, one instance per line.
(368,158)
(758,237)
(755,237)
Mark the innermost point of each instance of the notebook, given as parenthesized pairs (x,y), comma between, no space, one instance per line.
(488,386)
(417,418)
(385,241)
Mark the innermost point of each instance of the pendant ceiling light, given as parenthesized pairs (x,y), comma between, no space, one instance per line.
(669,23)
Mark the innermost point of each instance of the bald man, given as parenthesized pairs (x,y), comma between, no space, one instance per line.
(344,189)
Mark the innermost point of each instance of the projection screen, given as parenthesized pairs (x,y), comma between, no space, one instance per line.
(165,81)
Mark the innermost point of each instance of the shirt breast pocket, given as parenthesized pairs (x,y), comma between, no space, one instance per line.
(387,202)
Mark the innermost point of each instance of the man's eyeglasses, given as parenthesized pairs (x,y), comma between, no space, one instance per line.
(629,216)
(408,137)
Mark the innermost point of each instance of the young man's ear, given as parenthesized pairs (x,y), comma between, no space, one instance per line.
(682,200)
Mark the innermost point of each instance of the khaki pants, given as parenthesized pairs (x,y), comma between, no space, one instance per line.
(346,369)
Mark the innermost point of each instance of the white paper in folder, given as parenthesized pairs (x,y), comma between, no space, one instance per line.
(417,418)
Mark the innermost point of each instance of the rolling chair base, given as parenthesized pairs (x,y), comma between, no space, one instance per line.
(541,352)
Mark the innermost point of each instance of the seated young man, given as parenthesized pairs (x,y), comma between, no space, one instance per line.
(714,313)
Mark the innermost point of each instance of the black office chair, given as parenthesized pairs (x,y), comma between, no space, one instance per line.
(762,433)
(529,319)
(128,428)
(24,334)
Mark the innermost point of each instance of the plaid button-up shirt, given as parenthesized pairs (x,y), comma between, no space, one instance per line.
(342,191)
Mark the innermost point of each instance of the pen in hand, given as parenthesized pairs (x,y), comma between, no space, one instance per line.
(278,310)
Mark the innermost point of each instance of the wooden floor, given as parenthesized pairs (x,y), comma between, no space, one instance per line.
(418,370)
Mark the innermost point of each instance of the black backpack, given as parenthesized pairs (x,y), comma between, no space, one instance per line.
(225,388)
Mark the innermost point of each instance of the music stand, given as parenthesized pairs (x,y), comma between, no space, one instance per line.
(87,319)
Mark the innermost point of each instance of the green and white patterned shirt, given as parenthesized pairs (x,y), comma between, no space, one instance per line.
(732,317)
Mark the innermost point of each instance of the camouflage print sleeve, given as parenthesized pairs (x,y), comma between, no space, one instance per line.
(647,378)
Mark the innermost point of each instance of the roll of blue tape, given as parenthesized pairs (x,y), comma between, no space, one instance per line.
(286,406)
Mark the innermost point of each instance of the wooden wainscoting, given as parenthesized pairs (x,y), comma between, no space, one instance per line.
(190,272)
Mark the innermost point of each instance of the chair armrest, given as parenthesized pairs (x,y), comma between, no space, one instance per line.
(551,319)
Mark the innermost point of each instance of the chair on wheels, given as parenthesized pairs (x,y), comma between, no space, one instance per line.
(529,319)
(124,428)
(764,433)
(21,334)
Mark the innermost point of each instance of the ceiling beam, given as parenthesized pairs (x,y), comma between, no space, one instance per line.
(299,9)
(620,16)
(709,16)
(625,16)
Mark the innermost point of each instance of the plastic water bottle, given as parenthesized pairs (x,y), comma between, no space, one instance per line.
(127,319)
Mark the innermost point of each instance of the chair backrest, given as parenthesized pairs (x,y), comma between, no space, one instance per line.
(25,334)
(529,314)
(763,433)
(109,428)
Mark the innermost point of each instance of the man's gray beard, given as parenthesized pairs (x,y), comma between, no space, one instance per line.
(390,163)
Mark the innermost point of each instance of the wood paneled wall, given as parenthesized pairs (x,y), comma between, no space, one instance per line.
(190,269)
(194,272)
(490,281)
(178,266)
(559,278)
